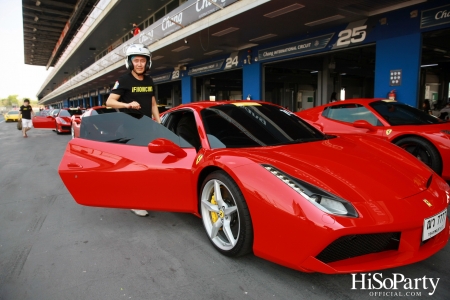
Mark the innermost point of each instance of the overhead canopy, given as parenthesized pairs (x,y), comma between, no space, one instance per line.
(48,26)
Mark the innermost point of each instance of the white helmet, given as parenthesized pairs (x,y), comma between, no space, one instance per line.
(138,49)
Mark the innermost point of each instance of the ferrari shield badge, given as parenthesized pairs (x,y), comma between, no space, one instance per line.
(388,131)
(199,158)
(427,203)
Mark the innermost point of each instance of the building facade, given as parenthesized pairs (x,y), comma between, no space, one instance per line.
(293,53)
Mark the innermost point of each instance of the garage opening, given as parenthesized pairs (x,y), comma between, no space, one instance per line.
(219,86)
(310,81)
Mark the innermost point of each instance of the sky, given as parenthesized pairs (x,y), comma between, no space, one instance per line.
(16,78)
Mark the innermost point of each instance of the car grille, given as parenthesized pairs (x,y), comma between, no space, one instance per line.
(65,127)
(361,244)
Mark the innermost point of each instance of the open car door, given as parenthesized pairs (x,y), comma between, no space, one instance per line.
(129,161)
(44,122)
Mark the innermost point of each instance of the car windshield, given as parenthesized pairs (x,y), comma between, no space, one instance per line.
(55,112)
(251,124)
(43,113)
(396,113)
(69,112)
(126,127)
(13,112)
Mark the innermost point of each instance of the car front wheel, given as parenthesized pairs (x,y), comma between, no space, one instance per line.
(225,215)
(423,150)
(56,128)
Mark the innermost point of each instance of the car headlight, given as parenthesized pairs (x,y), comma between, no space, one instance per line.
(322,199)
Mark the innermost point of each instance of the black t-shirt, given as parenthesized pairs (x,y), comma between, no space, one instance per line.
(131,89)
(26,112)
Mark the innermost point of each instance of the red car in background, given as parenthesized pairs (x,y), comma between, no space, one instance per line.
(424,136)
(265,181)
(58,119)
(93,111)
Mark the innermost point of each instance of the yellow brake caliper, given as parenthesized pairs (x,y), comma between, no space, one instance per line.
(214,215)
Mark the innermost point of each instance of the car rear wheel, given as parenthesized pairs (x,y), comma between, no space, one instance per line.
(423,150)
(225,215)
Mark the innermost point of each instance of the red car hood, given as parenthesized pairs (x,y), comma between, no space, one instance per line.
(354,167)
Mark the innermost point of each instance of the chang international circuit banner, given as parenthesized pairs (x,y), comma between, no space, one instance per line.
(311,44)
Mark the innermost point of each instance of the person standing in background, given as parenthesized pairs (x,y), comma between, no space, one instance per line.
(26,113)
(333,97)
(135,30)
(426,107)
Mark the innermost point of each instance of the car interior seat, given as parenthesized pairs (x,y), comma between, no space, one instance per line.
(187,129)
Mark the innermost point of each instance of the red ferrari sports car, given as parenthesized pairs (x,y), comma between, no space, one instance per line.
(422,135)
(263,180)
(58,119)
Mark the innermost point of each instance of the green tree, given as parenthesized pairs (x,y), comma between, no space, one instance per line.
(10,101)
(13,100)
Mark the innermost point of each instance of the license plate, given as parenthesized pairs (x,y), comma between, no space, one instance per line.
(434,225)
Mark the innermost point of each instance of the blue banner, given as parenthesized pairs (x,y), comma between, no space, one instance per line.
(435,16)
(310,44)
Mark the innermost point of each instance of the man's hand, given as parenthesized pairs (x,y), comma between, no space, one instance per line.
(134,105)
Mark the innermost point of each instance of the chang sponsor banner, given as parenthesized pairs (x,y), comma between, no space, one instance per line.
(162,77)
(310,44)
(435,16)
(184,15)
(209,67)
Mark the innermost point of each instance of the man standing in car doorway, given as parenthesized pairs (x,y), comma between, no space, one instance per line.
(26,114)
(135,90)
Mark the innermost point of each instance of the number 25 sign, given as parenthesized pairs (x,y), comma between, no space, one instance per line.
(351,36)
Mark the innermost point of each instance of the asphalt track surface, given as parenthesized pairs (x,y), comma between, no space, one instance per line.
(53,248)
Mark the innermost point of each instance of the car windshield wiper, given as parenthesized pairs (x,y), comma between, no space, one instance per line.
(120,140)
(299,141)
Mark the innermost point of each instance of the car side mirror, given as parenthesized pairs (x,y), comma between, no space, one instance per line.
(364,124)
(165,146)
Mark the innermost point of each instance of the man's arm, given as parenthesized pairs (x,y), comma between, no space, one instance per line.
(113,101)
(155,111)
